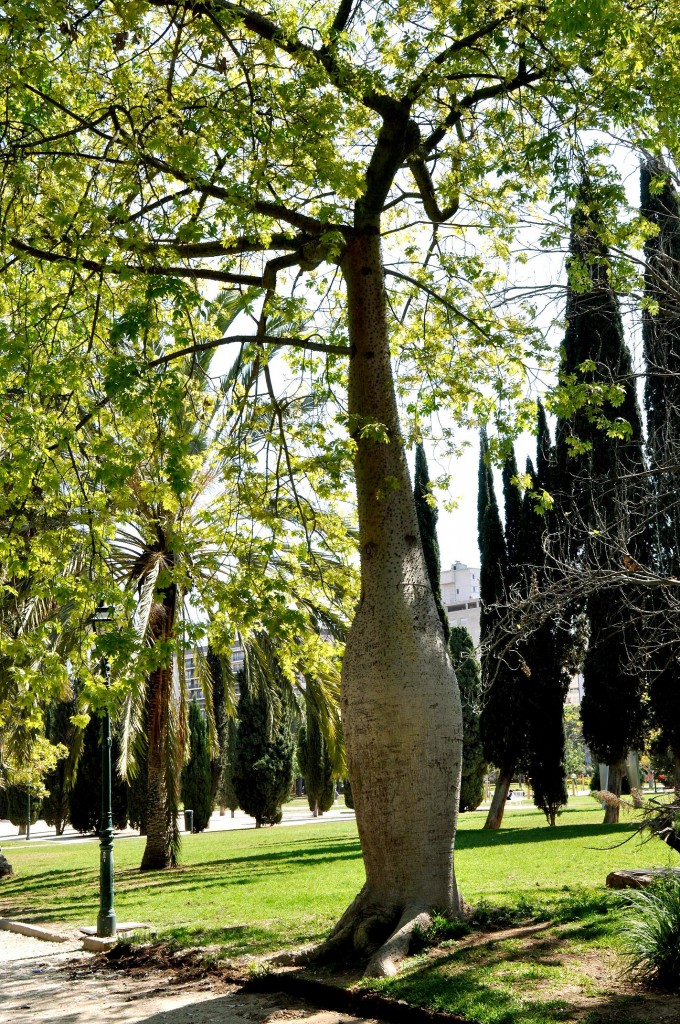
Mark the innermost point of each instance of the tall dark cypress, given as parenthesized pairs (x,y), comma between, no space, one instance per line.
(315,763)
(548,650)
(660,205)
(512,499)
(221,676)
(426,510)
(468,674)
(502,721)
(460,650)
(262,775)
(599,494)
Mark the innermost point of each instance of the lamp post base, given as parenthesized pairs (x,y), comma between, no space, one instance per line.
(106,925)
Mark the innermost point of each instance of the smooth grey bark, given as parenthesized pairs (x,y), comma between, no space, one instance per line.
(402,719)
(494,818)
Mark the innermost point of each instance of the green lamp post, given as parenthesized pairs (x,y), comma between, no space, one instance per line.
(106,919)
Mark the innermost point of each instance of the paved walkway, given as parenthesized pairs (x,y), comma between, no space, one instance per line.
(44,983)
(292,815)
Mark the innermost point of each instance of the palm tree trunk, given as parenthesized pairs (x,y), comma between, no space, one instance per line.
(162,837)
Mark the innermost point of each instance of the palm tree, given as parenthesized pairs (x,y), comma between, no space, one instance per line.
(204,537)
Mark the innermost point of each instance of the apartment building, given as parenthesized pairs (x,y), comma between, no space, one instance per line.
(191,672)
(460,597)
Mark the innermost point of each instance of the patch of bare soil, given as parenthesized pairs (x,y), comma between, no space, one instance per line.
(154,984)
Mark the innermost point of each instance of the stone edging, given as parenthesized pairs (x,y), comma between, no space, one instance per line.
(358,1004)
(33,931)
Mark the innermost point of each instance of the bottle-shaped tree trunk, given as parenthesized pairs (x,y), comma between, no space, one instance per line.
(401,710)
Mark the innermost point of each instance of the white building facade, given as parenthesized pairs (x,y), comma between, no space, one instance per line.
(460,597)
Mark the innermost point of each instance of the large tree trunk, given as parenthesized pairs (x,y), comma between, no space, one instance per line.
(611,810)
(401,711)
(162,836)
(494,818)
(157,851)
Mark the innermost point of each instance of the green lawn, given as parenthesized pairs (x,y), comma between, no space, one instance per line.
(277,886)
(257,890)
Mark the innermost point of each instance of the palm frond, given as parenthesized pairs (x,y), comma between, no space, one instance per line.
(146,595)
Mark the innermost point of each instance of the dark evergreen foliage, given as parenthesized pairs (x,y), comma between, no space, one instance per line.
(86,792)
(512,499)
(264,756)
(468,673)
(599,490)
(547,652)
(660,205)
(221,676)
(196,775)
(56,806)
(138,787)
(503,717)
(427,514)
(349,799)
(315,764)
(17,806)
(226,794)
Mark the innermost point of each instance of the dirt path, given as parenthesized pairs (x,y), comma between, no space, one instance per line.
(45,983)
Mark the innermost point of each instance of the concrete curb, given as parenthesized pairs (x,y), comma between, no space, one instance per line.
(369,1005)
(94,945)
(33,931)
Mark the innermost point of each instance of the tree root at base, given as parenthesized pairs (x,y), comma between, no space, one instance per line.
(373,930)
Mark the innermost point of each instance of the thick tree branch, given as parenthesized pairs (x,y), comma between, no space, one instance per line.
(249,339)
(206,250)
(423,180)
(421,81)
(503,88)
(193,273)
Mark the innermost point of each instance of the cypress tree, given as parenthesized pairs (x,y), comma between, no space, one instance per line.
(221,676)
(56,807)
(17,807)
(599,493)
(86,796)
(546,653)
(196,775)
(468,673)
(264,756)
(426,510)
(315,764)
(512,499)
(226,794)
(502,721)
(660,205)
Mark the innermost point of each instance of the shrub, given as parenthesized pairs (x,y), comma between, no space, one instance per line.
(652,933)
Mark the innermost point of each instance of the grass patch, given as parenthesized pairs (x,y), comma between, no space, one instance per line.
(255,891)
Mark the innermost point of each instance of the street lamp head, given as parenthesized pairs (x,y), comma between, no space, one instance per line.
(102,618)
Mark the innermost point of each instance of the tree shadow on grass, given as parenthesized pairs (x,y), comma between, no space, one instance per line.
(470,839)
(510,983)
